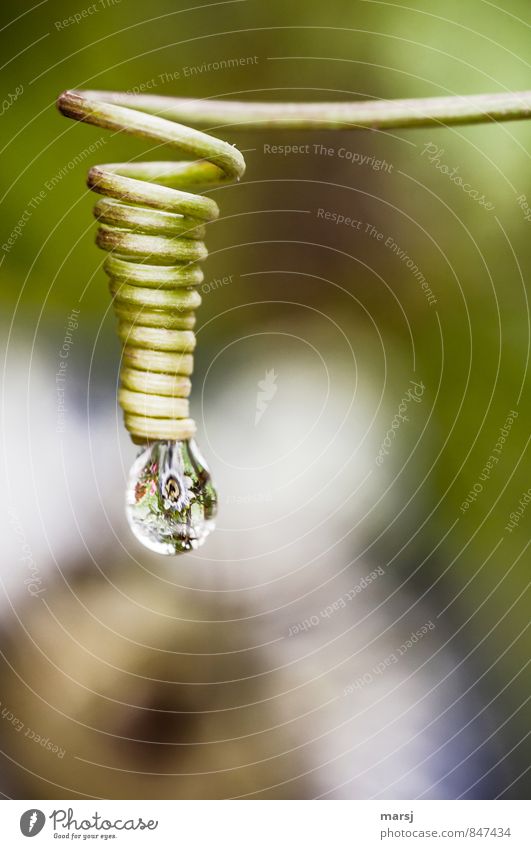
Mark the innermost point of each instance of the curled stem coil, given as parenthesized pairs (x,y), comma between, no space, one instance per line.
(153,227)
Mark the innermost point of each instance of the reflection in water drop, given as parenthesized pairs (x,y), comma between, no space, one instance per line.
(171,501)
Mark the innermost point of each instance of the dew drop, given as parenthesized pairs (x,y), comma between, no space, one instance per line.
(171,501)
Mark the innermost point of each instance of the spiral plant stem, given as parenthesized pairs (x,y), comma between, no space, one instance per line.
(152,219)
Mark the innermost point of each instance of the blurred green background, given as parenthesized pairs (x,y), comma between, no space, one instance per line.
(470,348)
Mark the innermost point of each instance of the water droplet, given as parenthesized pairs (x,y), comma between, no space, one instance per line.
(171,501)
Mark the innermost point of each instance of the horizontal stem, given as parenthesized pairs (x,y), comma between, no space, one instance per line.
(374,114)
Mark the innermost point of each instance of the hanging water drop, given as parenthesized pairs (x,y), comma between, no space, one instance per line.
(171,501)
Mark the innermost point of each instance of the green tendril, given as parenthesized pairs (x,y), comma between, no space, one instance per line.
(152,221)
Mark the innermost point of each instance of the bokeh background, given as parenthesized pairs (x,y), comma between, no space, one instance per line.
(267,664)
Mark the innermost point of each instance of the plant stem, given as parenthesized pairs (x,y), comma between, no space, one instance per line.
(153,225)
(375,114)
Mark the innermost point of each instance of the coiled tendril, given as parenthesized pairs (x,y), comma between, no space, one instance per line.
(153,229)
